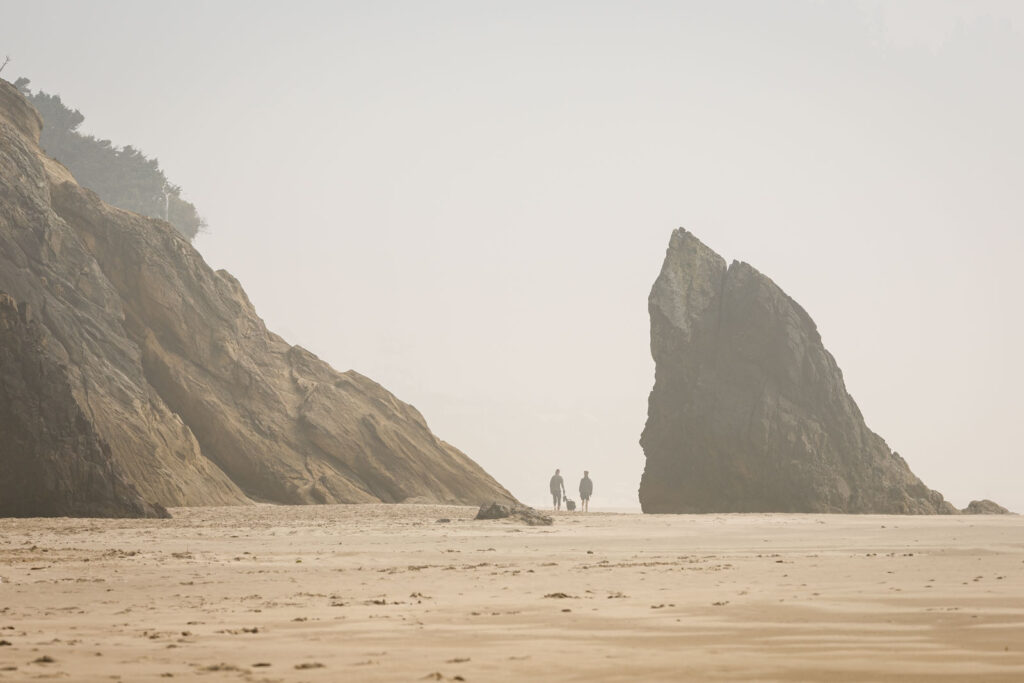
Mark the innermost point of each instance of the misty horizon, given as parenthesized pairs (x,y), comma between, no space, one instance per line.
(471,207)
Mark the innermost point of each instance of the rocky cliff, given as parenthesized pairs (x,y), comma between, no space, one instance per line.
(749,411)
(54,463)
(198,402)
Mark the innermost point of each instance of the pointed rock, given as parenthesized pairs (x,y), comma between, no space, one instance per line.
(749,411)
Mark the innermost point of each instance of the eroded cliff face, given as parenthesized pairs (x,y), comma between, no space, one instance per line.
(54,463)
(749,411)
(200,404)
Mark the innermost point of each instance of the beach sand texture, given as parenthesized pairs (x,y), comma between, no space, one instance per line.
(390,593)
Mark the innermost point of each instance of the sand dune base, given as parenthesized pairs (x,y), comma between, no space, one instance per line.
(375,593)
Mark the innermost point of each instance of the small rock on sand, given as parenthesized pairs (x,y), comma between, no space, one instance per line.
(521,512)
(985,507)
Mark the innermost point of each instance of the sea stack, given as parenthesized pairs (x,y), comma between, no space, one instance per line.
(156,372)
(749,411)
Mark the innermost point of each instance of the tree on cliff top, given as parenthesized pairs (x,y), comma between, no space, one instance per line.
(121,176)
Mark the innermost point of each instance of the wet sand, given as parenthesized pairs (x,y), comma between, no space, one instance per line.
(390,593)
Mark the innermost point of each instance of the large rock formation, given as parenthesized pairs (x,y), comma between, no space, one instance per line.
(54,463)
(749,412)
(199,403)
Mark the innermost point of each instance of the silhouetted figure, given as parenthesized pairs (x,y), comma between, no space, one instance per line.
(557,487)
(586,488)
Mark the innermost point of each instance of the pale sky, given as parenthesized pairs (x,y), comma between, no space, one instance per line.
(469,201)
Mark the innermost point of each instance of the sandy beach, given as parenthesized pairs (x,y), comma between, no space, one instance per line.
(383,593)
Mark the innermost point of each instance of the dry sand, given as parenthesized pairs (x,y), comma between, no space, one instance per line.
(383,593)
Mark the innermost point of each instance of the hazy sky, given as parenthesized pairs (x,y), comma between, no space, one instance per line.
(469,201)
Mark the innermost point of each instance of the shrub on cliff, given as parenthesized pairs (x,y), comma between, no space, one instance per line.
(122,176)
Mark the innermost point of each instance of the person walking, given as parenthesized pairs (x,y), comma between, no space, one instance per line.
(557,487)
(586,488)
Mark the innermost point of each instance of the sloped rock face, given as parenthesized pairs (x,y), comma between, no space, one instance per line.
(45,263)
(749,412)
(199,403)
(54,463)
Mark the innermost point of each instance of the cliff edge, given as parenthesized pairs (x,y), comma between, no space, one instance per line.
(197,402)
